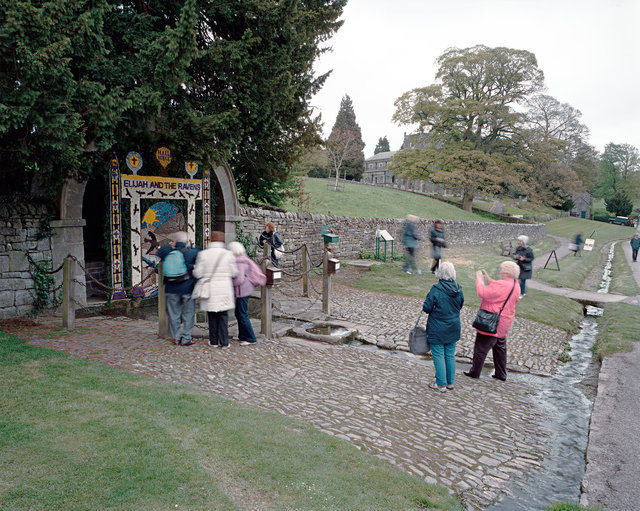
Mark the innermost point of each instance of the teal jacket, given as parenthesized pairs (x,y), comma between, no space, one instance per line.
(635,243)
(443,304)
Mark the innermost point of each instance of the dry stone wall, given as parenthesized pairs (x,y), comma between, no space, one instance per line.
(20,230)
(358,234)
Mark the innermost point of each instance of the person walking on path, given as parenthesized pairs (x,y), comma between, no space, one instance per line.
(270,236)
(249,275)
(437,238)
(410,239)
(443,304)
(215,267)
(635,245)
(181,307)
(494,295)
(524,257)
(577,241)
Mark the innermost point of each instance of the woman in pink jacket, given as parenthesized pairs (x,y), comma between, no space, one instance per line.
(493,295)
(249,275)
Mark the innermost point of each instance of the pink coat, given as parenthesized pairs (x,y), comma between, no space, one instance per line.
(493,296)
(249,275)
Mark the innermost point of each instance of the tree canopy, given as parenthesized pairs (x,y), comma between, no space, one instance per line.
(619,170)
(489,130)
(382,146)
(344,145)
(217,82)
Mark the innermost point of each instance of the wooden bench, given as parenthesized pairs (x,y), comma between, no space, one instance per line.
(506,248)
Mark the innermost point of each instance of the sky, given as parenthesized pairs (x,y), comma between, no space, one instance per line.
(589,51)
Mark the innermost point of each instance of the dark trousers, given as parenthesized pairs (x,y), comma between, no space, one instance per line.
(634,253)
(483,344)
(434,266)
(245,330)
(218,328)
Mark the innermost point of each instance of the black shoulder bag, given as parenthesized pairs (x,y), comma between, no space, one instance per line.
(488,321)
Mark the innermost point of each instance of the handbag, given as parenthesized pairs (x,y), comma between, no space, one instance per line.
(488,321)
(418,343)
(201,289)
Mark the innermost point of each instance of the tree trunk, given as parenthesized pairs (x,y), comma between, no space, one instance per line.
(467,201)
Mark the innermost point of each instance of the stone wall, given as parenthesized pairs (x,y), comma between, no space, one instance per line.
(20,230)
(357,234)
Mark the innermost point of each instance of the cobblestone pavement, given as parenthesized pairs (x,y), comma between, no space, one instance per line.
(474,440)
(386,320)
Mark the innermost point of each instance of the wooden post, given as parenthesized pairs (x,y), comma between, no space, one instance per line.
(305,274)
(265,297)
(163,318)
(68,303)
(326,281)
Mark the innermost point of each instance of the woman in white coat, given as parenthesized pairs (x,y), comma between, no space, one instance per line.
(215,269)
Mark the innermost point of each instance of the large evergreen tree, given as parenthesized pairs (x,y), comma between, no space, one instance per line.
(344,145)
(382,146)
(215,81)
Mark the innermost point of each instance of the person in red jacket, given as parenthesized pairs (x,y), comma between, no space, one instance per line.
(493,295)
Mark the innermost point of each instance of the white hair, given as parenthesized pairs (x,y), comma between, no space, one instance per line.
(524,239)
(509,269)
(180,237)
(446,271)
(237,248)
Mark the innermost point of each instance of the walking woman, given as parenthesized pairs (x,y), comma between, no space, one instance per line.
(215,267)
(270,236)
(249,275)
(524,257)
(443,304)
(494,295)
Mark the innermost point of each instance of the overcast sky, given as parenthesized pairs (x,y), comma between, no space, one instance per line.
(589,51)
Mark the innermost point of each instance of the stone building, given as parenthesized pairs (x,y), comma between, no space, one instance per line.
(581,205)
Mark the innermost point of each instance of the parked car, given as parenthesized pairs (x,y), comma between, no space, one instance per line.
(620,220)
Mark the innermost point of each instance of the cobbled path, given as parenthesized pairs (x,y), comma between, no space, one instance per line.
(476,440)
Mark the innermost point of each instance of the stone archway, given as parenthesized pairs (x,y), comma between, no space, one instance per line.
(227,209)
(68,235)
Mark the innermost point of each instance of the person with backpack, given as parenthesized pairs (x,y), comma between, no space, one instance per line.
(249,275)
(178,261)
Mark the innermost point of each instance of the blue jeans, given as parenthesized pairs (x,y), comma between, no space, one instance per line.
(181,309)
(523,286)
(245,330)
(444,361)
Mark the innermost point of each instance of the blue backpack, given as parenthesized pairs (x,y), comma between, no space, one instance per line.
(174,267)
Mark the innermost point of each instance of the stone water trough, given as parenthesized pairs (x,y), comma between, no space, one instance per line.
(330,332)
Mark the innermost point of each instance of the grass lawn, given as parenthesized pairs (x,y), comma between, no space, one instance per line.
(377,202)
(618,329)
(574,271)
(80,435)
(622,280)
(553,310)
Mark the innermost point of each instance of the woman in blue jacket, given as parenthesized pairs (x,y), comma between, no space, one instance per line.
(443,304)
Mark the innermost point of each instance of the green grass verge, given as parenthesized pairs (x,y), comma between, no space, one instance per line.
(570,506)
(622,280)
(377,202)
(618,328)
(553,310)
(574,271)
(78,435)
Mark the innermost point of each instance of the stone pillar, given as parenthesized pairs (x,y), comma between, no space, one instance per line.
(68,238)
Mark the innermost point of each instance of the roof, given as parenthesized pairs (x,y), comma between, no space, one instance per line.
(382,156)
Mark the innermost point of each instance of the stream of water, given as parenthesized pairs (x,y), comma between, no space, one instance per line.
(567,403)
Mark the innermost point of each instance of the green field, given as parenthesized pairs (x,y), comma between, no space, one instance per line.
(377,202)
(80,435)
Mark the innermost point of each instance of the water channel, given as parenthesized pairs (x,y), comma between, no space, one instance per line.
(567,399)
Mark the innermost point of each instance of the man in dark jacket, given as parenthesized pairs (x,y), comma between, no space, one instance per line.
(635,246)
(181,308)
(410,238)
(524,257)
(437,239)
